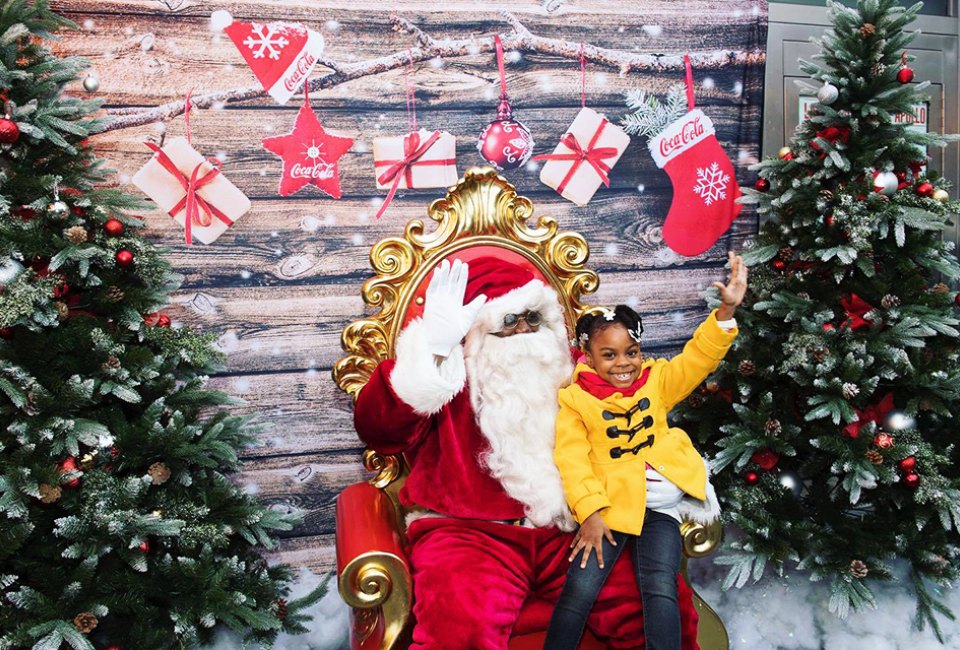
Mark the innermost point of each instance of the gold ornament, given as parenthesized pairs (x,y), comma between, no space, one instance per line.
(159,473)
(89,459)
(712,386)
(784,153)
(85,622)
(76,234)
(940,195)
(49,493)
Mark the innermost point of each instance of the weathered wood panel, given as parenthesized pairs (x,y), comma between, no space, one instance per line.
(279,286)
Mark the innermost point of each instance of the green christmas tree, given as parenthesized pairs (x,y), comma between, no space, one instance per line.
(833,422)
(119,525)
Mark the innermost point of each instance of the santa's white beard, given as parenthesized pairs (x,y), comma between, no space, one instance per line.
(513,384)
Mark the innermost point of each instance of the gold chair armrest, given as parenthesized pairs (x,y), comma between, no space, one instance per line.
(700,540)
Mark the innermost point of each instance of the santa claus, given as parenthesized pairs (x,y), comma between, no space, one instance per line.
(471,399)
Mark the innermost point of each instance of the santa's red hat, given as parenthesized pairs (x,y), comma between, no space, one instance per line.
(494,277)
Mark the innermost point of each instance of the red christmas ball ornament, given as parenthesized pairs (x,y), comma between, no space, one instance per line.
(145,546)
(905,75)
(911,480)
(762,185)
(24,213)
(113,647)
(505,143)
(956,300)
(113,227)
(61,290)
(124,258)
(925,189)
(828,327)
(779,264)
(908,464)
(9,131)
(766,458)
(883,440)
(69,464)
(6,333)
(751,478)
(829,220)
(157,319)
(163,320)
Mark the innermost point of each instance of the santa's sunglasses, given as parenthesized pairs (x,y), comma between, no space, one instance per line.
(532,318)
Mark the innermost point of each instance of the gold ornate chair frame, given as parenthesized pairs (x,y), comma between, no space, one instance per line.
(483,210)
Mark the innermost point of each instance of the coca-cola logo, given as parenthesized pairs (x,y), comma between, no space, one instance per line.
(319,170)
(304,64)
(687,134)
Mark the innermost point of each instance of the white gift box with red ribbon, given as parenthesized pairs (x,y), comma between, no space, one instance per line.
(583,159)
(191,189)
(420,159)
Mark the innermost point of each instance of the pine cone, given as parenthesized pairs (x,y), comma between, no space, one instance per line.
(804,295)
(877,69)
(50,493)
(940,287)
(695,400)
(62,310)
(850,390)
(786,253)
(867,29)
(114,294)
(112,363)
(874,456)
(820,353)
(773,427)
(747,368)
(76,234)
(85,622)
(889,301)
(858,569)
(159,473)
(281,604)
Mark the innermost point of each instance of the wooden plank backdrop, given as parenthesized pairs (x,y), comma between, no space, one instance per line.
(281,284)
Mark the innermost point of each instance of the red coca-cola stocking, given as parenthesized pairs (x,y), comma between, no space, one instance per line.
(705,188)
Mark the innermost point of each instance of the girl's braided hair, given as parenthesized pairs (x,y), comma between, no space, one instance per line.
(595,321)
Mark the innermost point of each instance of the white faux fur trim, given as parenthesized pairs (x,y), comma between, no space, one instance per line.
(533,296)
(702,512)
(418,380)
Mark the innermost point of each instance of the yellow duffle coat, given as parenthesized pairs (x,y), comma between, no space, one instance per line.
(594,479)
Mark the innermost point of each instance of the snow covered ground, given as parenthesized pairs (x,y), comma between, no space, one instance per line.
(773,615)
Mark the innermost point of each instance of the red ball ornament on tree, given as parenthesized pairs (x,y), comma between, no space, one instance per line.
(925,189)
(9,131)
(779,264)
(145,546)
(829,220)
(113,227)
(905,75)
(911,480)
(6,333)
(883,440)
(751,478)
(908,464)
(505,143)
(69,464)
(762,185)
(766,458)
(956,300)
(124,258)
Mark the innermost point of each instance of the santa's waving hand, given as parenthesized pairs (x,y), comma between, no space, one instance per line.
(446,319)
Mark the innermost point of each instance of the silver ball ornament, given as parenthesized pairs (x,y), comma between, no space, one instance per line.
(792,482)
(886,183)
(9,269)
(827,94)
(91,83)
(896,421)
(58,210)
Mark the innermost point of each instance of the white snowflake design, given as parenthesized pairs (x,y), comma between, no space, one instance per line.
(265,40)
(711,183)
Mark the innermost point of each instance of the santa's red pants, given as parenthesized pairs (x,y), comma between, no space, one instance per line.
(472,578)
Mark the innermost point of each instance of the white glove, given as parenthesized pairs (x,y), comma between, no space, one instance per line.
(446,320)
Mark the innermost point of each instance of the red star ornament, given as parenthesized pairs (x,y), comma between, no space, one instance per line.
(309,155)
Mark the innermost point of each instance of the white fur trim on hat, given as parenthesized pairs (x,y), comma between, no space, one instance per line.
(702,512)
(418,380)
(533,296)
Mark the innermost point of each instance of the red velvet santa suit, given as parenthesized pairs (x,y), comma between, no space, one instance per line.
(473,571)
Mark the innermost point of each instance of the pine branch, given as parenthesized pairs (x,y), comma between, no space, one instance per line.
(429,48)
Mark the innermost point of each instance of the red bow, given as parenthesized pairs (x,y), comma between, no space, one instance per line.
(873,413)
(856,308)
(413,150)
(831,134)
(578,155)
(198,210)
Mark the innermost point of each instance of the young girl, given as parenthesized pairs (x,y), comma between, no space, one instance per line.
(630,478)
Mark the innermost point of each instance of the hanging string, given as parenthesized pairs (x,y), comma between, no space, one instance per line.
(686,63)
(186,112)
(583,78)
(306,94)
(411,94)
(503,73)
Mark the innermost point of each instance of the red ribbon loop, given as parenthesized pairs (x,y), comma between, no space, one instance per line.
(595,156)
(413,150)
(198,210)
